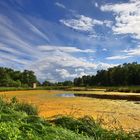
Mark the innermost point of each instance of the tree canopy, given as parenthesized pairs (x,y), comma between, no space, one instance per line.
(12,78)
(123,75)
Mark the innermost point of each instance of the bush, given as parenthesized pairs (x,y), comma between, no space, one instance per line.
(88,127)
(83,125)
(25,107)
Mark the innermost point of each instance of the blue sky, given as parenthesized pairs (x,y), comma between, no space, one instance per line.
(63,39)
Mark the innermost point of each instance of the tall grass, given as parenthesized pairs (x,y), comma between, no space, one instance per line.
(89,127)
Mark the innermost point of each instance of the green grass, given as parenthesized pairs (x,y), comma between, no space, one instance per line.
(133,89)
(14,88)
(20,121)
(38,88)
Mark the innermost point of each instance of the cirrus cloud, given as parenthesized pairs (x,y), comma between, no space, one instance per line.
(60,5)
(64,49)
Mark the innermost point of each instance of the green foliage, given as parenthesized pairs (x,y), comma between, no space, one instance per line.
(122,75)
(29,109)
(11,78)
(47,83)
(88,127)
(23,107)
(28,77)
(57,84)
(84,125)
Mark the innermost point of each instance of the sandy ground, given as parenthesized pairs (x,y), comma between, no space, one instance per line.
(113,113)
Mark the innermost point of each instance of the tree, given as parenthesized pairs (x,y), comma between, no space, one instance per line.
(47,83)
(78,82)
(122,75)
(28,77)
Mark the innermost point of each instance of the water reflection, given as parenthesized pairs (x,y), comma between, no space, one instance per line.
(66,95)
(103,96)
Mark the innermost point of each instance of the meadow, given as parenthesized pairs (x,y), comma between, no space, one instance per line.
(112,113)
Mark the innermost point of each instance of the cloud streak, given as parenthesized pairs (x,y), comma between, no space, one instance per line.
(66,49)
(60,5)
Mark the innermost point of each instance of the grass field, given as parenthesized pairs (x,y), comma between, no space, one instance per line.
(113,113)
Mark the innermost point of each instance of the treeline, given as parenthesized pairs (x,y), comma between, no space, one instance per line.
(65,83)
(12,78)
(127,74)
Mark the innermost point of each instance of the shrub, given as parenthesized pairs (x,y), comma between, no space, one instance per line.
(28,108)
(86,125)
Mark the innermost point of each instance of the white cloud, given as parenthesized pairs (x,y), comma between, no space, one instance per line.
(66,49)
(60,5)
(108,23)
(81,23)
(128,53)
(118,57)
(101,65)
(84,23)
(104,49)
(58,61)
(96,4)
(65,74)
(127,17)
(79,69)
(133,52)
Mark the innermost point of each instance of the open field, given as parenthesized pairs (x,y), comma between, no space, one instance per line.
(114,112)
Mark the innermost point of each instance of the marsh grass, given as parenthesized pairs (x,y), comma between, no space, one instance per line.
(20,121)
(127,89)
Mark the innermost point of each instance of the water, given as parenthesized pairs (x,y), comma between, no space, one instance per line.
(103,96)
(66,95)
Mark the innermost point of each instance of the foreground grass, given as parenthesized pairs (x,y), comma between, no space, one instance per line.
(20,121)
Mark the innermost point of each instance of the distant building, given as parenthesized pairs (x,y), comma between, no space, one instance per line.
(34,85)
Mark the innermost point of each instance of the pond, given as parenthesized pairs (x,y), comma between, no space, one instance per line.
(102,96)
(66,95)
